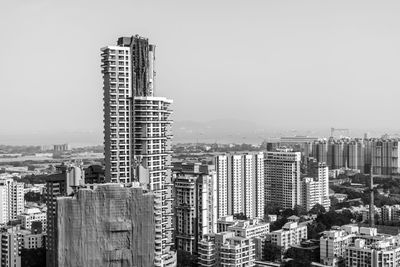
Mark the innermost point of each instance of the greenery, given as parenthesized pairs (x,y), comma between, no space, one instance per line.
(272,252)
(32,179)
(240,216)
(317,209)
(33,257)
(185,259)
(34,197)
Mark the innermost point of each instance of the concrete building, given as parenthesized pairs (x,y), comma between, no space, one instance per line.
(137,129)
(192,167)
(320,151)
(310,193)
(63,183)
(10,246)
(61,148)
(315,188)
(282,179)
(226,250)
(356,155)
(109,225)
(95,174)
(240,183)
(380,253)
(196,209)
(224,222)
(33,215)
(333,245)
(385,157)
(11,200)
(249,228)
(292,233)
(31,240)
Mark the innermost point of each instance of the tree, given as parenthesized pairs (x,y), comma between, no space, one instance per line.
(33,257)
(186,259)
(278,224)
(272,252)
(299,210)
(315,229)
(240,216)
(317,209)
(288,212)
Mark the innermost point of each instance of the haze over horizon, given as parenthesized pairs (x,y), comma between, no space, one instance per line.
(307,65)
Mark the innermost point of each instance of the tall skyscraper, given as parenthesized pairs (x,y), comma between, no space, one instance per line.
(385,157)
(356,155)
(137,130)
(282,179)
(240,183)
(196,209)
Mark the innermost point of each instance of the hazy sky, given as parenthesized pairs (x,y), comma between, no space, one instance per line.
(309,64)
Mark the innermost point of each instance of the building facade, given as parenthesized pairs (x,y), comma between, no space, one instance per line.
(282,179)
(10,247)
(106,225)
(12,200)
(33,215)
(58,185)
(226,250)
(240,183)
(137,130)
(385,157)
(195,210)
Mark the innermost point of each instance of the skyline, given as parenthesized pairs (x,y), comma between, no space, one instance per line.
(294,60)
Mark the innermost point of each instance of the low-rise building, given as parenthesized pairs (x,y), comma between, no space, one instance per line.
(33,215)
(333,245)
(292,233)
(380,253)
(226,250)
(250,228)
(31,240)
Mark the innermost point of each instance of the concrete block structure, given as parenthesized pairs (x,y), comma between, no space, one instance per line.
(282,179)
(240,181)
(109,225)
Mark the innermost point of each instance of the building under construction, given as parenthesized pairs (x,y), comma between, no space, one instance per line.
(109,225)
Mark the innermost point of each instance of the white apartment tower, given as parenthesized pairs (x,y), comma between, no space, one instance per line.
(10,252)
(282,179)
(316,188)
(12,200)
(310,193)
(137,130)
(240,184)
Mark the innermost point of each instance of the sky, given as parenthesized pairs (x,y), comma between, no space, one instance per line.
(280,64)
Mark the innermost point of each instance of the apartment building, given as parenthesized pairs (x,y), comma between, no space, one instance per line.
(282,179)
(137,130)
(240,183)
(195,209)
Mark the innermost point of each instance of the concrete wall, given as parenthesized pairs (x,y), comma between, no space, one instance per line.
(109,226)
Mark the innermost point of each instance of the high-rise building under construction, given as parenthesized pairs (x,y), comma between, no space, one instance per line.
(137,130)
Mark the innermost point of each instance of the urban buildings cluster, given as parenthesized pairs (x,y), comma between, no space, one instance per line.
(380,154)
(143,209)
